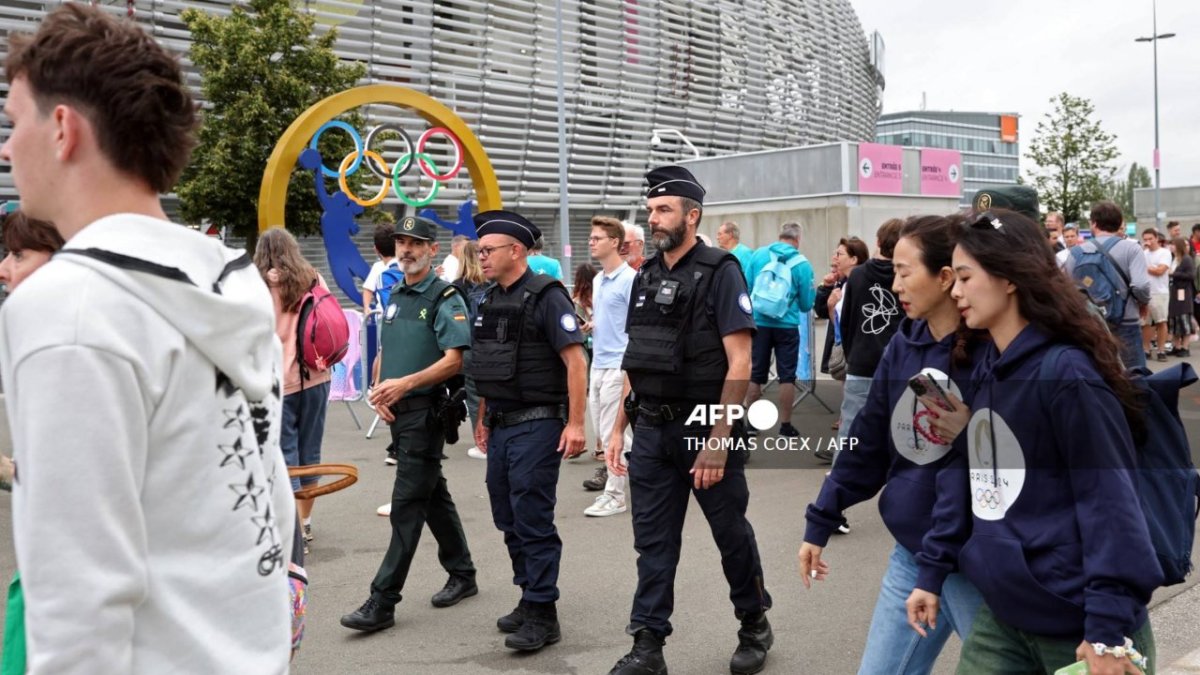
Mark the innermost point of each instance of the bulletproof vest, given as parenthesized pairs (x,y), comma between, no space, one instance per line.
(675,351)
(510,357)
(408,338)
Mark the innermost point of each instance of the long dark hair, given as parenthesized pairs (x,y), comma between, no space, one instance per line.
(1016,251)
(936,236)
(278,249)
(584,273)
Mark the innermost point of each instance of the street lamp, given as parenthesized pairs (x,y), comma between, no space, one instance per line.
(1157,181)
(656,139)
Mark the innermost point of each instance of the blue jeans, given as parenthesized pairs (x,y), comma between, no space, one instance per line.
(854,397)
(1130,336)
(303,428)
(893,647)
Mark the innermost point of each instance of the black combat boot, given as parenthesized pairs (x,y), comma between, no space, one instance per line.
(511,622)
(539,629)
(375,614)
(646,657)
(754,639)
(454,591)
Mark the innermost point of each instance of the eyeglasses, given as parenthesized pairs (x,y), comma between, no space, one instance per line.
(485,251)
(986,220)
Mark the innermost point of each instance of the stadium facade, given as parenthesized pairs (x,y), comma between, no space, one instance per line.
(730,76)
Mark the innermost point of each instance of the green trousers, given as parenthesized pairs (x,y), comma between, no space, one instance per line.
(420,497)
(998,649)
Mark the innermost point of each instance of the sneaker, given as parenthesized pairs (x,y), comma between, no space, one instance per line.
(824,454)
(755,637)
(475,453)
(539,629)
(391,455)
(308,532)
(1161,358)
(385,510)
(605,506)
(597,481)
(646,657)
(511,622)
(456,589)
(372,616)
(786,429)
(844,527)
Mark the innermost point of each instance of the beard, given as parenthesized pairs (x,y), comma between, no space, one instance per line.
(668,238)
(415,264)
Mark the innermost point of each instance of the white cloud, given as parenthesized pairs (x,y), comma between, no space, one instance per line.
(1015,56)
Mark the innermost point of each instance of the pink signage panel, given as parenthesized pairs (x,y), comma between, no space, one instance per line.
(941,172)
(879,168)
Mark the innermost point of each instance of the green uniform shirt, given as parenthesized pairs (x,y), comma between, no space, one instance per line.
(420,323)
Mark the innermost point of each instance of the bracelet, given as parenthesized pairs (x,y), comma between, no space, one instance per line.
(1127,649)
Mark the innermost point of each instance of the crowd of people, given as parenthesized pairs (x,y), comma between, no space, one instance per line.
(1016,517)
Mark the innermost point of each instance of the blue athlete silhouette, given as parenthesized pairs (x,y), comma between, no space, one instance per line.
(337,229)
(465,225)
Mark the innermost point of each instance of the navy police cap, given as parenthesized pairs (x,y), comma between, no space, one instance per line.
(507,222)
(673,181)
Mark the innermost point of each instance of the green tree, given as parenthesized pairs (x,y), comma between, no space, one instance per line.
(261,67)
(1121,191)
(1073,157)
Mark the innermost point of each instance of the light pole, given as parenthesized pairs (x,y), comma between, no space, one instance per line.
(1154,38)
(656,139)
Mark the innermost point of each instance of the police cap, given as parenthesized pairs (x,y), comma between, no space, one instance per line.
(1020,198)
(417,228)
(507,222)
(673,181)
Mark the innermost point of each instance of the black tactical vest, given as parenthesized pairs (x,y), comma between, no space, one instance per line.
(510,357)
(675,351)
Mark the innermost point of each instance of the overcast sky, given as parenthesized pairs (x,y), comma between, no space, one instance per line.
(1014,56)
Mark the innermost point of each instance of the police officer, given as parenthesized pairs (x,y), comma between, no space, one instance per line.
(528,364)
(690,329)
(424,333)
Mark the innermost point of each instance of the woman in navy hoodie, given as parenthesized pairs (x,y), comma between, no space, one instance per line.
(1059,546)
(922,477)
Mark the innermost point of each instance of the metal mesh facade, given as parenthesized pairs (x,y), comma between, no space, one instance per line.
(733,76)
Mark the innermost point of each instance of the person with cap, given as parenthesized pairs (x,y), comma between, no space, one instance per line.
(529,369)
(690,327)
(423,336)
(1020,198)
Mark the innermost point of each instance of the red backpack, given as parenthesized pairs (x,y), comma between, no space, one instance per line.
(322,333)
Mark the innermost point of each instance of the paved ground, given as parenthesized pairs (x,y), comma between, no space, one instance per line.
(821,630)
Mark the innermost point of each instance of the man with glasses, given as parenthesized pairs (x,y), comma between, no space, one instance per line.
(531,375)
(610,306)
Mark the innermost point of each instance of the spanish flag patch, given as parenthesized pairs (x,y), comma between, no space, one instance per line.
(460,317)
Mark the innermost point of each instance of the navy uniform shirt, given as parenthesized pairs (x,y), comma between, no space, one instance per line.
(554,315)
(728,300)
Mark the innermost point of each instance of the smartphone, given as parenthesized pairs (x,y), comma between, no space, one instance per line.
(923,384)
(1077,668)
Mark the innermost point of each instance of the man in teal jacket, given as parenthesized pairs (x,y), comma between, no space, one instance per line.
(778,311)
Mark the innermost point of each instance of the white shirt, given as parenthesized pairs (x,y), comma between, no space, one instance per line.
(1160,285)
(450,268)
(371,283)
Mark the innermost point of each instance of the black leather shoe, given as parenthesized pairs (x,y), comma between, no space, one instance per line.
(455,590)
(539,629)
(511,622)
(755,637)
(646,657)
(372,616)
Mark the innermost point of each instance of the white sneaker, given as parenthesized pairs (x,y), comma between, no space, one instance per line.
(385,510)
(475,453)
(604,506)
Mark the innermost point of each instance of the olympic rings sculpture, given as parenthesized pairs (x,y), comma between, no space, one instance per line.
(414,154)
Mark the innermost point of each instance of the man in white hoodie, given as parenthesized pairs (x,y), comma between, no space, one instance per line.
(152,513)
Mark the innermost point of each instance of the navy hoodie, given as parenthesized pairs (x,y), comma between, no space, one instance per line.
(1059,545)
(924,488)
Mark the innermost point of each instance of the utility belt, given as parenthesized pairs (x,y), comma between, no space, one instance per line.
(414,403)
(656,413)
(496,418)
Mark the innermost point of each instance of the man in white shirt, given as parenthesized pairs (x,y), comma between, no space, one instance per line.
(152,514)
(1158,264)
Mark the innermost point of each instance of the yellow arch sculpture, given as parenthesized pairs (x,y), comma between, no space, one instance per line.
(272,196)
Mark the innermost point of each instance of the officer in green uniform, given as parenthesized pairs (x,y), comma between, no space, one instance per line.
(425,331)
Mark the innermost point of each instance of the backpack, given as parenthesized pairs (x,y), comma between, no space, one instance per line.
(387,280)
(1167,481)
(322,333)
(1101,278)
(772,294)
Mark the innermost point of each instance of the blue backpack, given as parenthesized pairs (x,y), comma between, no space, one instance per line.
(1101,278)
(1168,485)
(772,294)
(388,280)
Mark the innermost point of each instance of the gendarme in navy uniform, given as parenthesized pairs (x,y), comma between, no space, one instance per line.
(690,329)
(528,365)
(423,335)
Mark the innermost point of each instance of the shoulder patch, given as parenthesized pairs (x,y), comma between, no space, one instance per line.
(744,303)
(450,290)
(568,323)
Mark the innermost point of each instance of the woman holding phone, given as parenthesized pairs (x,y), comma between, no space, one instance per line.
(897,451)
(1059,546)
